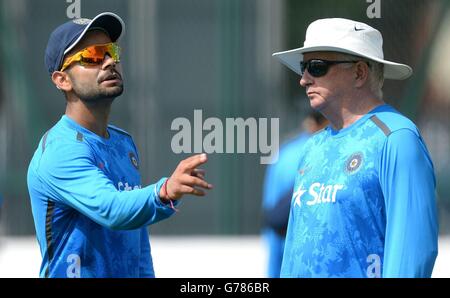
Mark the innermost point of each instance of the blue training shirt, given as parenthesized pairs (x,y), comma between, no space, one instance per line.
(89,208)
(364,202)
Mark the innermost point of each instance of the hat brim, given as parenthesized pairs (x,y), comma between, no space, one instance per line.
(392,70)
(107,21)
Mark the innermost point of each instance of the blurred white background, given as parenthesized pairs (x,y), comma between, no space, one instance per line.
(183,256)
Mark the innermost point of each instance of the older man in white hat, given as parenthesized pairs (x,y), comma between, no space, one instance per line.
(364,198)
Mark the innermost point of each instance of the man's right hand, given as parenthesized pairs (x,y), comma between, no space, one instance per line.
(186,179)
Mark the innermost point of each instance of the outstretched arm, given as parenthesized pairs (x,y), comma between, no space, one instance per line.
(75,180)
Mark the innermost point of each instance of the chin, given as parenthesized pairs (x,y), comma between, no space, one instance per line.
(316,105)
(113,92)
(103,96)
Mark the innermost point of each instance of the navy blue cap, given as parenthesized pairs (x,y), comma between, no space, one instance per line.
(66,37)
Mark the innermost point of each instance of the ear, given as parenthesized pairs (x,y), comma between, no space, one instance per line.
(361,73)
(62,81)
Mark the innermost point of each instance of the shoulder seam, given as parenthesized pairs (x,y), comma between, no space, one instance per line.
(381,125)
(44,140)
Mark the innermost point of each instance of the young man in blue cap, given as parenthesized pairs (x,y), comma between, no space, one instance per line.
(89,208)
(364,197)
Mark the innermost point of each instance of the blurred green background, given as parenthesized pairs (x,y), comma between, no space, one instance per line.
(214,55)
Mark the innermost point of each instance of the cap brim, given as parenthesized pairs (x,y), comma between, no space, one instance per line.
(392,70)
(109,22)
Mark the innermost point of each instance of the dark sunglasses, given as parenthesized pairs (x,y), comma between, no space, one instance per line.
(318,67)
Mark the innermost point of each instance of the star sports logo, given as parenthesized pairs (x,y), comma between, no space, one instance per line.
(319,192)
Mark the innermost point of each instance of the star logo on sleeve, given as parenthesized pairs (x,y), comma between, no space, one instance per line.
(298,194)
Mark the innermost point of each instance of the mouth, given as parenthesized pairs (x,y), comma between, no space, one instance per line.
(111,78)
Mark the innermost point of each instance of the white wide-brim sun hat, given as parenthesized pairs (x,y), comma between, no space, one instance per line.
(344,36)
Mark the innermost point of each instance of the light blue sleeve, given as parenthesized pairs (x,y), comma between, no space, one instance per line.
(408,184)
(145,260)
(69,174)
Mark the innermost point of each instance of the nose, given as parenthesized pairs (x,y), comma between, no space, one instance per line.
(306,79)
(109,61)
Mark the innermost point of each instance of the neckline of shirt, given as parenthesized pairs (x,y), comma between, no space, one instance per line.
(344,131)
(86,132)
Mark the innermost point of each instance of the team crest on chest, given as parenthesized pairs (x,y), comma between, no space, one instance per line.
(133,160)
(354,162)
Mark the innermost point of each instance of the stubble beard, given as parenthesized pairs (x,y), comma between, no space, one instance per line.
(98,93)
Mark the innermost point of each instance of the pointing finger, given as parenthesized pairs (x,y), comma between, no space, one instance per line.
(194,161)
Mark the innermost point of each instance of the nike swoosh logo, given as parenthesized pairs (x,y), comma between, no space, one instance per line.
(358,29)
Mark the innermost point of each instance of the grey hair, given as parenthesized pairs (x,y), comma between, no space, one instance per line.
(376,73)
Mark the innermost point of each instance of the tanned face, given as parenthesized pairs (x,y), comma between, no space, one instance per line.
(333,86)
(98,82)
